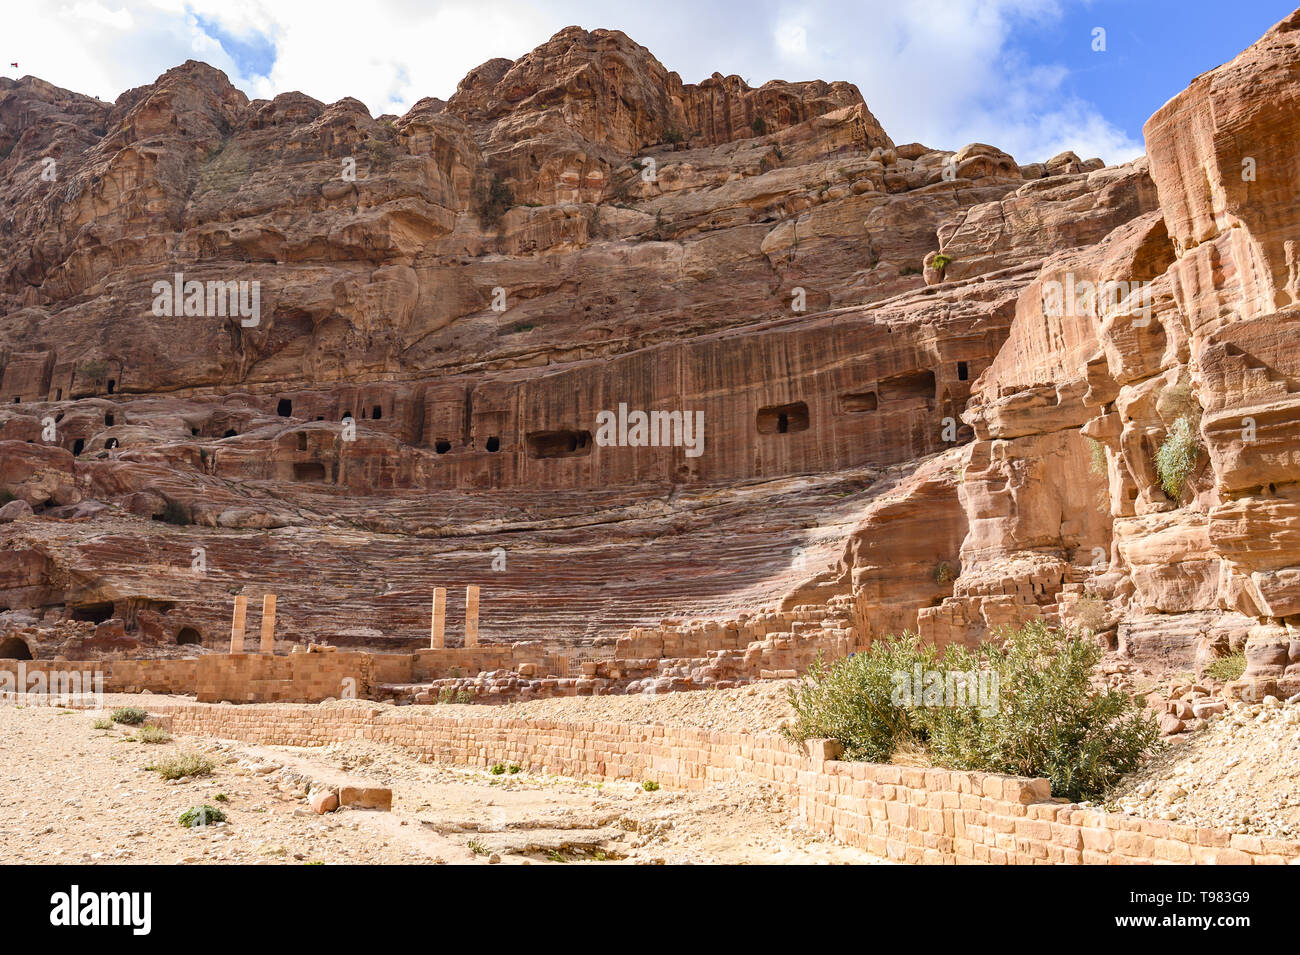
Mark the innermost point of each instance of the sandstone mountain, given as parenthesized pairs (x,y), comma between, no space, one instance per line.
(896,416)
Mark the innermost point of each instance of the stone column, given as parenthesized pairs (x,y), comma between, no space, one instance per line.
(268,624)
(437,627)
(237,625)
(471,616)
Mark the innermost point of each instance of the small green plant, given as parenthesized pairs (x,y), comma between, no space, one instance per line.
(153,734)
(940,262)
(497,769)
(221,797)
(477,847)
(554,855)
(182,765)
(759,126)
(515,768)
(199,816)
(130,715)
(1089,611)
(447,695)
(1176,457)
(1097,458)
(464,696)
(943,572)
(673,136)
(1227,668)
(103,724)
(650,785)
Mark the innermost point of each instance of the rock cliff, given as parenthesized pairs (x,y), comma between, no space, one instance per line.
(933,383)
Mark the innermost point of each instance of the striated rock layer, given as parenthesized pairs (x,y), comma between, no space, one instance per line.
(930,386)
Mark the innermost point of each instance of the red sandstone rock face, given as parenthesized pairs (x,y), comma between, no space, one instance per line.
(450,298)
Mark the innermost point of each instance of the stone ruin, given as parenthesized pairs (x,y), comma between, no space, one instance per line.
(901,431)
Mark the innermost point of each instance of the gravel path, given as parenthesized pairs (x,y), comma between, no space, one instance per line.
(70,793)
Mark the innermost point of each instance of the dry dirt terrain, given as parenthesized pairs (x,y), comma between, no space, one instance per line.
(70,793)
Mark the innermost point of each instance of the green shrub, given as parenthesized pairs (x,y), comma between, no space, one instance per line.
(1050,721)
(476,847)
(650,786)
(464,696)
(1176,458)
(182,765)
(851,699)
(498,769)
(759,126)
(515,768)
(943,572)
(103,724)
(1097,458)
(130,715)
(153,734)
(940,262)
(673,136)
(1227,668)
(199,816)
(1047,720)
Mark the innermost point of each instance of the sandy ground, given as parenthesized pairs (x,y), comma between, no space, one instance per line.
(70,793)
(757,708)
(1241,773)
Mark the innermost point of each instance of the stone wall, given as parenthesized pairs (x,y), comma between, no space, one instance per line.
(120,676)
(931,816)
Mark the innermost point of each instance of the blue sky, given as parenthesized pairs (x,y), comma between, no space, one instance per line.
(1019,74)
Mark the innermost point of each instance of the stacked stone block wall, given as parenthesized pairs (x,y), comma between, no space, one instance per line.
(907,814)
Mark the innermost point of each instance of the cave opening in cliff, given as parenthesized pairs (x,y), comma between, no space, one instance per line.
(93,613)
(442,447)
(188,635)
(494,444)
(783,419)
(110,444)
(377,413)
(14,648)
(963,371)
(914,384)
(284,408)
(78,446)
(112,386)
(231,433)
(558,444)
(108,420)
(309,471)
(860,402)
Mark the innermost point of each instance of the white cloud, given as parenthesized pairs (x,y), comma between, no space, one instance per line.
(944,72)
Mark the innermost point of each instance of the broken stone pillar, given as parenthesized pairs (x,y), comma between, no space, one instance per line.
(471,616)
(438,626)
(268,623)
(237,625)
